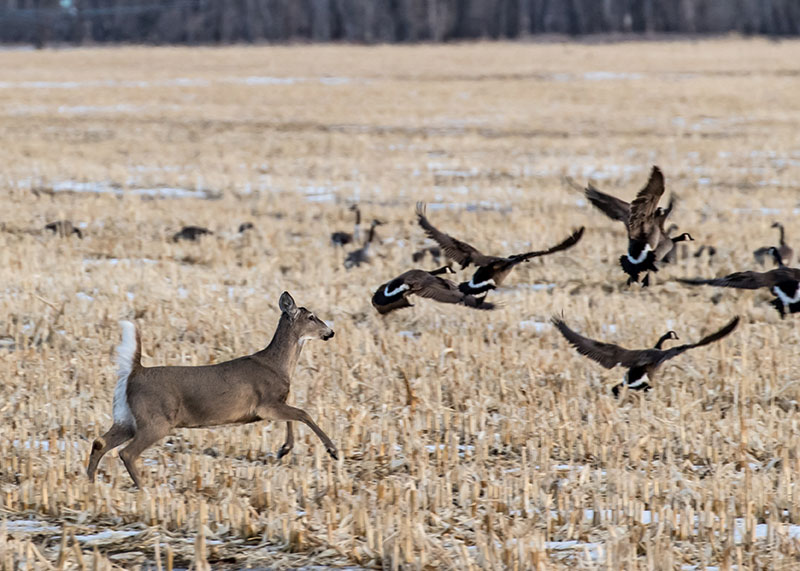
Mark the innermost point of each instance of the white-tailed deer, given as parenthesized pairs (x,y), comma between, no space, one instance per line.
(151,401)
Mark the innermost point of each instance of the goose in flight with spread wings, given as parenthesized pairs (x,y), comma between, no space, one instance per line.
(648,242)
(783,282)
(394,293)
(642,364)
(492,270)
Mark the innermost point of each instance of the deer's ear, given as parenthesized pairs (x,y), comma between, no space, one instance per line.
(287,304)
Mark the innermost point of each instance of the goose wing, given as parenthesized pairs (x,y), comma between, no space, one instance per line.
(613,207)
(749,279)
(677,350)
(643,207)
(607,354)
(455,249)
(444,291)
(569,242)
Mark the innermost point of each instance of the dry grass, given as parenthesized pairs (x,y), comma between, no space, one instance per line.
(514,455)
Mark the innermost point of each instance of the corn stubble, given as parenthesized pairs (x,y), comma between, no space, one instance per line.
(468,439)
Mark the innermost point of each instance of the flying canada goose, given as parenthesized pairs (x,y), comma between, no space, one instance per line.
(394,294)
(648,242)
(642,364)
(492,270)
(362,255)
(784,249)
(191,233)
(344,238)
(434,251)
(783,282)
(673,255)
(63,228)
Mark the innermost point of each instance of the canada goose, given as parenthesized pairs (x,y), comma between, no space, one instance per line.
(492,270)
(344,238)
(783,282)
(362,255)
(434,251)
(63,228)
(648,242)
(784,249)
(190,233)
(245,226)
(394,294)
(672,255)
(643,363)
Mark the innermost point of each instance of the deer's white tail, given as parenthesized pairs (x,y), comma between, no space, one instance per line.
(128,356)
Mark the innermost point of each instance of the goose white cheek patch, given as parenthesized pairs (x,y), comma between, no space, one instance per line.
(785,299)
(394,292)
(482,284)
(642,255)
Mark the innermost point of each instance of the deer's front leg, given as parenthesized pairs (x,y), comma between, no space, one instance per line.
(289,443)
(289,413)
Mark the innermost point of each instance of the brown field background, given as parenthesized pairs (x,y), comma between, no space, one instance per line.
(468,440)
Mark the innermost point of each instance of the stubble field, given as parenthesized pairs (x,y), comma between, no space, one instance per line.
(467,439)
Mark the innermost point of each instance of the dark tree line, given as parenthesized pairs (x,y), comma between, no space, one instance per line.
(228,21)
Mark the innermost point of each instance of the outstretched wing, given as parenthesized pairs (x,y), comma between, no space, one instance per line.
(749,279)
(643,207)
(672,352)
(607,354)
(613,207)
(446,291)
(571,240)
(456,250)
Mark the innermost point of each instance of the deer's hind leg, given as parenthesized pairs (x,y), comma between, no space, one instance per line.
(144,438)
(117,435)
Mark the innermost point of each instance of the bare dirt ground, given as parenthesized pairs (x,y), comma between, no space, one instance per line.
(467,439)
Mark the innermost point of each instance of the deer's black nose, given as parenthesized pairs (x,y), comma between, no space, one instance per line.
(326,337)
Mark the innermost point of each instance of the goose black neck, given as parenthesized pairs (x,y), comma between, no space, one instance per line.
(776,255)
(667,335)
(783,237)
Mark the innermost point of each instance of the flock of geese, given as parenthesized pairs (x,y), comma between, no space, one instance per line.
(650,242)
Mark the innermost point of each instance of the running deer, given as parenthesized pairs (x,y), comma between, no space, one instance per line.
(151,401)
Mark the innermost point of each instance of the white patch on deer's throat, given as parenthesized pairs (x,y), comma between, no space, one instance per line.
(125,353)
(642,255)
(785,299)
(395,291)
(472,283)
(639,382)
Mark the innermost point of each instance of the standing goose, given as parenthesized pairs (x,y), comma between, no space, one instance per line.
(362,255)
(642,364)
(63,228)
(393,294)
(648,242)
(191,233)
(784,249)
(344,238)
(783,282)
(492,270)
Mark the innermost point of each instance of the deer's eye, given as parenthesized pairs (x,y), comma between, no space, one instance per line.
(311,317)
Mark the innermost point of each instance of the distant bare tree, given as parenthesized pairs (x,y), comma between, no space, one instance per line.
(368,21)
